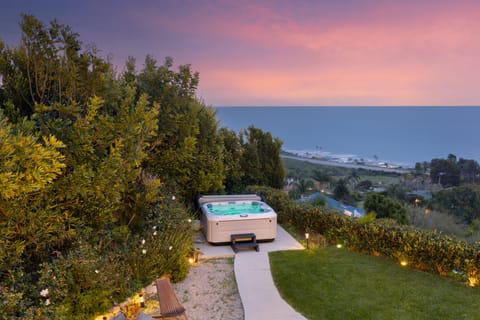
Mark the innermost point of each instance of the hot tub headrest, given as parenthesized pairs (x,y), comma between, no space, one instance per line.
(234,197)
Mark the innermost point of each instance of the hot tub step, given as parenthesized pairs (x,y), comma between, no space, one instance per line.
(244,240)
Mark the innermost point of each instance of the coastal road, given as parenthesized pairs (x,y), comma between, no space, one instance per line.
(346,165)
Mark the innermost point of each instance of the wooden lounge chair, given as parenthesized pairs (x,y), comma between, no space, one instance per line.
(170,307)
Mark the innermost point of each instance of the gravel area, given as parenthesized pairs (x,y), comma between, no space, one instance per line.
(208,293)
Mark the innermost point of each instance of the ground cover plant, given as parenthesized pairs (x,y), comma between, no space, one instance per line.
(330,283)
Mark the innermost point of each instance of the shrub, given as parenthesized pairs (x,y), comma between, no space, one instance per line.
(427,250)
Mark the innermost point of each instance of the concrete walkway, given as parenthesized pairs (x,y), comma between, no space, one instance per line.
(260,297)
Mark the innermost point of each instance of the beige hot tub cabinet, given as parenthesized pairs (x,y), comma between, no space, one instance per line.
(218,228)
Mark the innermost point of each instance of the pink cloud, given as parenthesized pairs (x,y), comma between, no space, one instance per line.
(386,52)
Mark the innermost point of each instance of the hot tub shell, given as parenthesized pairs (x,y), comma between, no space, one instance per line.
(219,228)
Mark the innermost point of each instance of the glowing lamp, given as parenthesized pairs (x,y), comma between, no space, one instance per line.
(472,281)
(339,246)
(403,263)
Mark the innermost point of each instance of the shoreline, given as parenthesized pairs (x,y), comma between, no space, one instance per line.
(345,165)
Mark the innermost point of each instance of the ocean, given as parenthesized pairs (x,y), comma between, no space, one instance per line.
(394,135)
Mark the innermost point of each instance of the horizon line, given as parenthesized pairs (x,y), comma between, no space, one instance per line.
(345,106)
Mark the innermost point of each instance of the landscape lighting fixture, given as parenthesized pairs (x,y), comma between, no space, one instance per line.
(403,263)
(307,235)
(339,246)
(196,254)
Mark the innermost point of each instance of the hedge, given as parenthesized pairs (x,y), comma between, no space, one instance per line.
(427,250)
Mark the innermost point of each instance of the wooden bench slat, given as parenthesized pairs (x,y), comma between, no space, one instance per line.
(169,304)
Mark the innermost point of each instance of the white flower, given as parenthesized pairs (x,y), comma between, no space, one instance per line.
(96,271)
(143,241)
(155,233)
(189,220)
(144,251)
(173,198)
(47,302)
(44,292)
(154,227)
(170,248)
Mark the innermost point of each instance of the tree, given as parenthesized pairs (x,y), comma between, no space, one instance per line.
(76,191)
(187,151)
(322,177)
(385,207)
(364,185)
(29,165)
(304,185)
(469,170)
(462,202)
(261,160)
(445,172)
(341,192)
(353,178)
(232,155)
(49,67)
(420,169)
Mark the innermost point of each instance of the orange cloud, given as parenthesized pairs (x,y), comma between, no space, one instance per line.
(387,52)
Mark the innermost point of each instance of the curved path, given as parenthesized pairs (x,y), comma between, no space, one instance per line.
(260,297)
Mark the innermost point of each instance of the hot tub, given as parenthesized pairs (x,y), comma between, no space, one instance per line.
(223,216)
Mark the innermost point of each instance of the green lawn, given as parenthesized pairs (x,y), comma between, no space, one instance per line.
(330,283)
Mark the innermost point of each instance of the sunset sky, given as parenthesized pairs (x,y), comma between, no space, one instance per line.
(287,53)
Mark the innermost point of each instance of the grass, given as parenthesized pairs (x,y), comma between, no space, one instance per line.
(330,283)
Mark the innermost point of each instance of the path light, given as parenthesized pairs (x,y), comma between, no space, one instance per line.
(196,254)
(307,235)
(403,263)
(194,259)
(472,281)
(141,299)
(339,246)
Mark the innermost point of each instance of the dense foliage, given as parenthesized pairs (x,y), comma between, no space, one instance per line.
(385,207)
(97,171)
(461,202)
(450,172)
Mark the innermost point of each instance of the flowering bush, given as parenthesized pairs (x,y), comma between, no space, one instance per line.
(101,270)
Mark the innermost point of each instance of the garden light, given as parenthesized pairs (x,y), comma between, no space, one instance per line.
(196,254)
(307,235)
(339,246)
(403,263)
